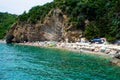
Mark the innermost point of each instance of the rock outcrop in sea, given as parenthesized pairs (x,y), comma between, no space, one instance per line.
(115,61)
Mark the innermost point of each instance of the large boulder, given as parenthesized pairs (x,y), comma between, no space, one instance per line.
(9,38)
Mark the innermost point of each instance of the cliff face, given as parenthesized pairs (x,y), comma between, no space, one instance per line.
(54,27)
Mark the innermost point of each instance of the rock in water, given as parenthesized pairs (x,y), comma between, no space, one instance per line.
(9,38)
(115,61)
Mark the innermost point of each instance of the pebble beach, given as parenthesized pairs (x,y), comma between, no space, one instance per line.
(100,49)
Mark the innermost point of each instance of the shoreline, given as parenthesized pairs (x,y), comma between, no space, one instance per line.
(101,50)
(108,52)
(65,47)
(2,41)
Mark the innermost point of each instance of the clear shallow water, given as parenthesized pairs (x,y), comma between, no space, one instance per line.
(33,63)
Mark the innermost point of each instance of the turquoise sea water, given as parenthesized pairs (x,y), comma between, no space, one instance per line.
(34,63)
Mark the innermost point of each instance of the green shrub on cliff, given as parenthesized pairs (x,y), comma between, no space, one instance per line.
(6,20)
(92,31)
(23,17)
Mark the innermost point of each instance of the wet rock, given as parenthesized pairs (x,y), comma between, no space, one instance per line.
(115,61)
(9,38)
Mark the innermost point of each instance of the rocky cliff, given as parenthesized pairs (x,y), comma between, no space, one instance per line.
(55,26)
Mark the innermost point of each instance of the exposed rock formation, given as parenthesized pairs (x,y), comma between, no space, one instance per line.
(54,27)
(115,61)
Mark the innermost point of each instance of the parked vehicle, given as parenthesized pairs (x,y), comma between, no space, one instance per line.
(117,42)
(97,40)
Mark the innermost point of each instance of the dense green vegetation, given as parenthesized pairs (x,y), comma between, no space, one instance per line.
(103,16)
(6,20)
(36,13)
